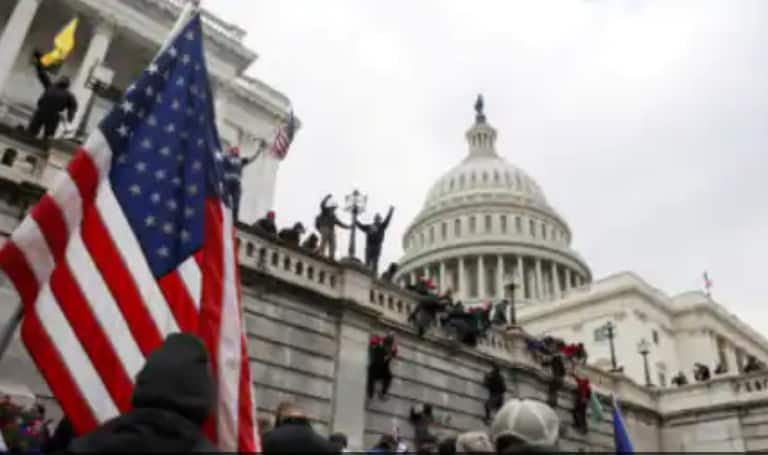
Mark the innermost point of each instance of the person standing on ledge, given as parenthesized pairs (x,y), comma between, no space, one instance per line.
(56,98)
(374,238)
(326,223)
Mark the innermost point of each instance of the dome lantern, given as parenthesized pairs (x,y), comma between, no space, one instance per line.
(481,136)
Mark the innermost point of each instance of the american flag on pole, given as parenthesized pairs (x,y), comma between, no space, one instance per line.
(283,138)
(707,283)
(135,242)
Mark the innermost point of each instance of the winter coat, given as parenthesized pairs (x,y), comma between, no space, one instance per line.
(327,217)
(173,395)
(292,236)
(494,381)
(267,226)
(374,235)
(56,98)
(295,435)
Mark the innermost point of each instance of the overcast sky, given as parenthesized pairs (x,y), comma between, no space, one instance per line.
(644,122)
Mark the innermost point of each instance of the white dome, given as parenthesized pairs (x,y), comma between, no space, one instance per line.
(492,176)
(488,212)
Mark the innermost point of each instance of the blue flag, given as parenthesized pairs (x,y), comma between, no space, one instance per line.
(620,437)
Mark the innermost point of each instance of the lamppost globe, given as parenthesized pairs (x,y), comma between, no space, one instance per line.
(643,347)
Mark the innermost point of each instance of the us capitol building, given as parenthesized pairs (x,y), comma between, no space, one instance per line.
(485,224)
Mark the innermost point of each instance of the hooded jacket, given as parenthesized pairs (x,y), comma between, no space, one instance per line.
(295,435)
(173,396)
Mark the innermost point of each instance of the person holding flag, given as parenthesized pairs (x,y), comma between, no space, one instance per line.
(135,243)
(56,99)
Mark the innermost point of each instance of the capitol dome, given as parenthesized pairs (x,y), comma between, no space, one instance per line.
(487,223)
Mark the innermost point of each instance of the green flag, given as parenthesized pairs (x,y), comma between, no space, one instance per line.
(595,408)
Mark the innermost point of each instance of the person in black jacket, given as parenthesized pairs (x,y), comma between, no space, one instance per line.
(374,238)
(173,395)
(494,382)
(557,365)
(56,98)
(292,236)
(294,434)
(326,223)
(267,224)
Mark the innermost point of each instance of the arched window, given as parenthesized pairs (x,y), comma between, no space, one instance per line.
(518,182)
(472,179)
(503,224)
(462,180)
(444,230)
(9,157)
(496,177)
(543,231)
(431,234)
(485,177)
(532,226)
(457,227)
(472,224)
(450,184)
(519,225)
(488,223)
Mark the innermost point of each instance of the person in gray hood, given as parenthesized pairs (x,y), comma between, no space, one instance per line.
(172,397)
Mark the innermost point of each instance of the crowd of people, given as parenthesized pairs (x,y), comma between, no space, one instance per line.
(702,373)
(323,242)
(519,426)
(175,392)
(464,324)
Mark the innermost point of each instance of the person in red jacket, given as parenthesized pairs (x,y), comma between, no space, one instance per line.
(381,351)
(581,401)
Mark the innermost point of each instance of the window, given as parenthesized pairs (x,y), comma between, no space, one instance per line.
(472,224)
(421,238)
(31,161)
(444,230)
(462,179)
(431,234)
(487,223)
(518,182)
(655,335)
(543,231)
(519,224)
(457,227)
(532,226)
(503,224)
(496,177)
(485,177)
(472,179)
(450,184)
(9,157)
(662,379)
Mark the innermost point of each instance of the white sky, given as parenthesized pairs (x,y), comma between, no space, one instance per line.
(645,122)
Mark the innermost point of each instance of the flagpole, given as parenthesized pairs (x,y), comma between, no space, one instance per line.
(190,8)
(9,329)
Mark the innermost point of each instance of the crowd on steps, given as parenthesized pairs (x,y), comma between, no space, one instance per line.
(323,242)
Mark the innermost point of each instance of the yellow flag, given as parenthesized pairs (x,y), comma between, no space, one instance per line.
(63,44)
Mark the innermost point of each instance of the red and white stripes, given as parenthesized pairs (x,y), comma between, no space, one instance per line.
(93,310)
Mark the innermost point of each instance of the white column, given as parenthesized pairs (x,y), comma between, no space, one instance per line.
(13,36)
(521,274)
(556,290)
(98,46)
(481,285)
(568,285)
(443,278)
(462,280)
(539,280)
(500,277)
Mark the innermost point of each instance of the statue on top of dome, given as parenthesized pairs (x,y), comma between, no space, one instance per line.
(479,105)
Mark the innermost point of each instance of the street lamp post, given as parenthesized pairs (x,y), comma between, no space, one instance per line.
(644,348)
(99,82)
(610,330)
(511,286)
(355,204)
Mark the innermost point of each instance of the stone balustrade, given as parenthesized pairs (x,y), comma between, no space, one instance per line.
(719,391)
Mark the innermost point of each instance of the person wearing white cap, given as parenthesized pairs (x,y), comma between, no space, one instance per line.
(525,426)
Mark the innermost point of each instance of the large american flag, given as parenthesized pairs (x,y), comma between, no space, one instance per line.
(135,242)
(283,138)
